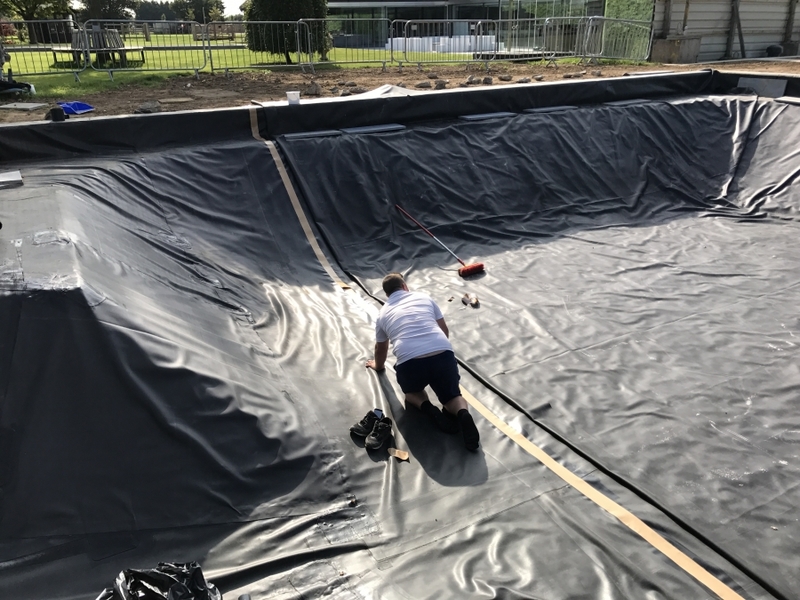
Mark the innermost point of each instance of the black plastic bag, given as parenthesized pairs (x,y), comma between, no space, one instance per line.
(168,581)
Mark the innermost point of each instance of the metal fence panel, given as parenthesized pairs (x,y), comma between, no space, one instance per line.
(350,41)
(520,39)
(259,45)
(618,39)
(440,41)
(122,45)
(61,46)
(564,37)
(43,47)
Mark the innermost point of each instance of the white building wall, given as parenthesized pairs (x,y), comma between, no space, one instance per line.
(763,24)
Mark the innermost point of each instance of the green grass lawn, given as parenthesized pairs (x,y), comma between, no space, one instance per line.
(59,87)
(167,55)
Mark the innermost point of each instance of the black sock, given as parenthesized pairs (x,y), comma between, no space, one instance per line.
(468,430)
(428,408)
(438,418)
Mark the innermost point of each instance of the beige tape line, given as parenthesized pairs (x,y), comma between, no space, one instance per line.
(626,517)
(301,215)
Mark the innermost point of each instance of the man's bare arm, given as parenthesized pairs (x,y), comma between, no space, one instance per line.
(381,352)
(443,326)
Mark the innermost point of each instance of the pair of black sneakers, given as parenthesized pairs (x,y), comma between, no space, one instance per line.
(374,428)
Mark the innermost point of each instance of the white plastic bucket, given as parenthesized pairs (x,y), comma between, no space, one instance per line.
(293,97)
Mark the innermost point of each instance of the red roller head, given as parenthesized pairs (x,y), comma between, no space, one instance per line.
(472,269)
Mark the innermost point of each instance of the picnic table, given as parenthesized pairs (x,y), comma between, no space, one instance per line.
(107,44)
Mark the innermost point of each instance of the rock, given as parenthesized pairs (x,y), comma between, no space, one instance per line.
(341,83)
(313,89)
(774,50)
(539,77)
(351,84)
(487,81)
(55,114)
(178,100)
(334,90)
(146,108)
(433,76)
(401,84)
(345,93)
(424,85)
(472,79)
(441,84)
(505,77)
(524,80)
(567,75)
(358,90)
(597,73)
(463,84)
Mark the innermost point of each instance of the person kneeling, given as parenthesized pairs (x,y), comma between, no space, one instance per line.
(414,325)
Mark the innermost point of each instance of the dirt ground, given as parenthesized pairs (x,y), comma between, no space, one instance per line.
(240,88)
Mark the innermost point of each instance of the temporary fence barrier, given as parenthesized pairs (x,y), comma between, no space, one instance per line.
(459,41)
(617,39)
(261,45)
(520,39)
(563,37)
(61,46)
(43,47)
(350,41)
(122,45)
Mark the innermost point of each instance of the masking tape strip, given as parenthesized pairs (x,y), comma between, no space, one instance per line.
(624,515)
(298,209)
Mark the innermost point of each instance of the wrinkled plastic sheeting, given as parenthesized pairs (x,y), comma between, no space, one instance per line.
(168,581)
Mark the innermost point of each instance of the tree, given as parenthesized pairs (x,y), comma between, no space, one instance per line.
(200,9)
(282,39)
(107,9)
(29,10)
(154,11)
(320,39)
(637,10)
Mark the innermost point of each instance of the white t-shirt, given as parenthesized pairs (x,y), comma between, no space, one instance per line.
(408,319)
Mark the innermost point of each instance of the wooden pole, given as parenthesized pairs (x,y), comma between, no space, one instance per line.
(667,18)
(685,15)
(739,26)
(787,32)
(735,22)
(731,26)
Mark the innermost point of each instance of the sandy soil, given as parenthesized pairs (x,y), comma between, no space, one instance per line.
(239,88)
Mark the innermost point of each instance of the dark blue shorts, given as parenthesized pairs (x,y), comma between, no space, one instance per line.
(439,371)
